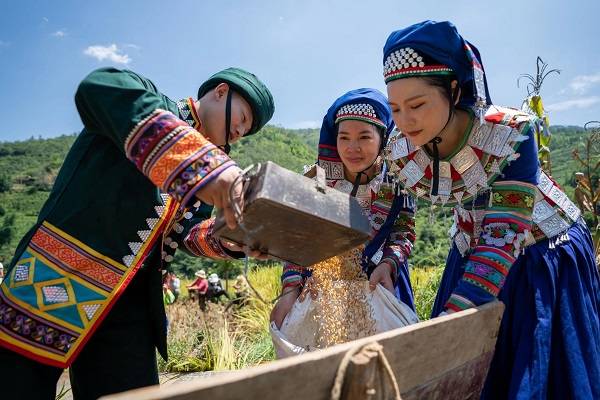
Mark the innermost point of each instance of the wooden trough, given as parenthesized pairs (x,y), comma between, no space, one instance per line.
(443,358)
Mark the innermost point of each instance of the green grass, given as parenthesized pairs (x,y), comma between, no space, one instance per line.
(425,283)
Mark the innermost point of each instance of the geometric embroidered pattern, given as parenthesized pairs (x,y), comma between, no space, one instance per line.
(90,310)
(360,112)
(187,112)
(333,169)
(195,172)
(201,242)
(167,206)
(458,303)
(407,62)
(173,155)
(60,248)
(36,332)
(55,294)
(21,273)
(549,219)
(68,288)
(401,239)
(488,149)
(399,244)
(506,229)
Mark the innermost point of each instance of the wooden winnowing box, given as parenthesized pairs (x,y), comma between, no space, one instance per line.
(295,218)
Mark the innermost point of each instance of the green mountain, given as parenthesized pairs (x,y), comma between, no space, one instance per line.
(564,140)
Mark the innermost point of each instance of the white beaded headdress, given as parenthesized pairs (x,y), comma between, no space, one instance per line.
(407,62)
(361,112)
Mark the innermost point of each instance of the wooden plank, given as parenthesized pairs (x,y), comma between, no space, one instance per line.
(428,353)
(464,382)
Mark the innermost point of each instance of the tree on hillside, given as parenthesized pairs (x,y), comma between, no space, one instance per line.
(5,183)
(7,230)
(590,164)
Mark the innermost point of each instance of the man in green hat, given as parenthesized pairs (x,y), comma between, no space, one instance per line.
(84,288)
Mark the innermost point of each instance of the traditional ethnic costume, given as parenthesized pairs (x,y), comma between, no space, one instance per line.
(516,235)
(391,216)
(84,288)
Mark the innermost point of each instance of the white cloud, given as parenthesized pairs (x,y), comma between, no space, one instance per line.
(133,46)
(60,33)
(305,125)
(584,102)
(112,53)
(581,83)
(45,19)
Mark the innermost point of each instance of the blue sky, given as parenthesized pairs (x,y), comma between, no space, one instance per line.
(308,52)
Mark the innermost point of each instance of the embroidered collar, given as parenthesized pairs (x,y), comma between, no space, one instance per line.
(487,149)
(364,190)
(188,113)
(365,194)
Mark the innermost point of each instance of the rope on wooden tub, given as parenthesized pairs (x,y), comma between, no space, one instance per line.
(383,363)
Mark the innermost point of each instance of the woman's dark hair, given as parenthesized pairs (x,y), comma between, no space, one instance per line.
(444,83)
(379,129)
(383,135)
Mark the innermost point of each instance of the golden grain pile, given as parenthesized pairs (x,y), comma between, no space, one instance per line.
(343,310)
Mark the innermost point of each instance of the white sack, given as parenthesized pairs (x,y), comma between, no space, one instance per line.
(299,328)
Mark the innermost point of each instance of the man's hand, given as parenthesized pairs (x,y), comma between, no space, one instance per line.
(284,305)
(217,191)
(382,274)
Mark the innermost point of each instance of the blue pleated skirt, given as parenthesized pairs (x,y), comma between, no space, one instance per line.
(549,341)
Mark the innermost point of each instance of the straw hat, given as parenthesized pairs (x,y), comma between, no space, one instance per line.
(201,274)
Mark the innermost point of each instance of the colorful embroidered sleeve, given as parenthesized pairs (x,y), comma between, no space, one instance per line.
(506,229)
(193,234)
(399,241)
(399,244)
(130,111)
(200,242)
(293,275)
